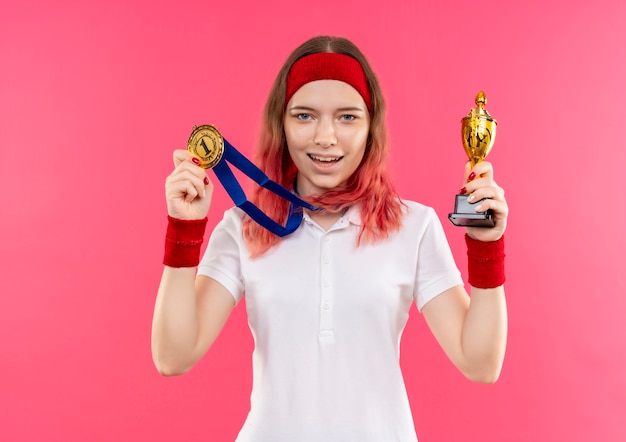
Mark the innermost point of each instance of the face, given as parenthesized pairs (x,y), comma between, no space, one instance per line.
(326,126)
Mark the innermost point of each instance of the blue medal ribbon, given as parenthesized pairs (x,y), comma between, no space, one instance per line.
(233,188)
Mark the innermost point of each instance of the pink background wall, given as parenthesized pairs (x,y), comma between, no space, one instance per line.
(95,95)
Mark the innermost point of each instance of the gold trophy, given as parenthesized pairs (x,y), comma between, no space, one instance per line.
(478,131)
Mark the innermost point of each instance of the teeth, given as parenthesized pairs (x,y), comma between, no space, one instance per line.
(325,159)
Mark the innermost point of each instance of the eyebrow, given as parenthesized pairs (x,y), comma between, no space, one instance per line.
(341,109)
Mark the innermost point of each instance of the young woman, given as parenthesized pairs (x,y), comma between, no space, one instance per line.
(327,304)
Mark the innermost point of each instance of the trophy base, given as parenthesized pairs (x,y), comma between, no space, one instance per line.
(465,214)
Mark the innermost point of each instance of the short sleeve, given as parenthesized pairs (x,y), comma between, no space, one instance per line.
(436,269)
(222,257)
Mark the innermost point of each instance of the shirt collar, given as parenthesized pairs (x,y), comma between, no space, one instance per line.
(352,215)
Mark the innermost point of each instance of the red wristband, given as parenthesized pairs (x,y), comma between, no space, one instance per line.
(182,242)
(485,263)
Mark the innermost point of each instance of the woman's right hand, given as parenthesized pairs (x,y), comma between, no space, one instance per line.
(188,190)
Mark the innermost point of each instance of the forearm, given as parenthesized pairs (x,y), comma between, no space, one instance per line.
(175,322)
(484,334)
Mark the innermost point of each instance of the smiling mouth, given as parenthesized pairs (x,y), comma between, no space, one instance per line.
(325,160)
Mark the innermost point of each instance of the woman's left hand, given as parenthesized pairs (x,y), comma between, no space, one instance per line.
(479,184)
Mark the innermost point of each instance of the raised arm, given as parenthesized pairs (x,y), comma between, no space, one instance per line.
(472,330)
(189,312)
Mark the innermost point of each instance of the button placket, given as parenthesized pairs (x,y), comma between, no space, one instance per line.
(326,320)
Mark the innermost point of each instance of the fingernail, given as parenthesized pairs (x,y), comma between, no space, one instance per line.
(463,191)
(479,207)
(196,161)
(470,198)
(471,176)
(206,181)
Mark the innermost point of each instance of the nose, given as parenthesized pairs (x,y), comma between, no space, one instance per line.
(325,134)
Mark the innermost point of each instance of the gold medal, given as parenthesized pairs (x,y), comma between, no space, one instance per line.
(207,143)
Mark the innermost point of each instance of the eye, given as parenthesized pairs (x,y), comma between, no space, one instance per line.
(348,117)
(303,117)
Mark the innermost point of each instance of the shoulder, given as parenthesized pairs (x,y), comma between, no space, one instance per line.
(419,220)
(232,218)
(414,211)
(229,228)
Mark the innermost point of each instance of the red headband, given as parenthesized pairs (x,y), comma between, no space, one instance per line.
(327,66)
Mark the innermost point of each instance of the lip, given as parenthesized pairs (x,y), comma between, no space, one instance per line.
(325,163)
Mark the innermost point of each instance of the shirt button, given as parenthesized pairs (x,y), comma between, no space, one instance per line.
(326,284)
(326,306)
(326,260)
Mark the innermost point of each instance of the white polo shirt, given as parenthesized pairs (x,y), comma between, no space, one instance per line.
(327,318)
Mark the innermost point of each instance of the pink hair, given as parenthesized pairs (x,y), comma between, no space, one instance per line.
(370,185)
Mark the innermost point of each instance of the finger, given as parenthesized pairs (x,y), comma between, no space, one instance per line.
(208,185)
(190,167)
(181,189)
(490,192)
(466,174)
(499,208)
(187,170)
(187,179)
(190,171)
(201,192)
(181,155)
(480,170)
